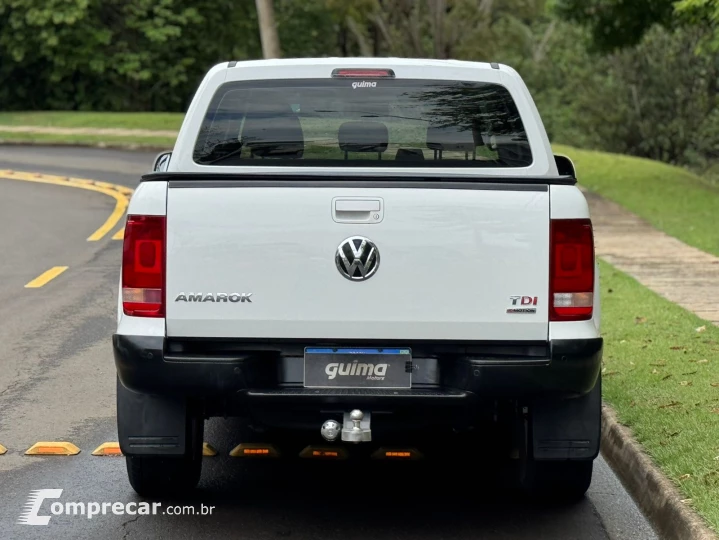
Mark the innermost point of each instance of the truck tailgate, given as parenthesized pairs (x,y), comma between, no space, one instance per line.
(454,264)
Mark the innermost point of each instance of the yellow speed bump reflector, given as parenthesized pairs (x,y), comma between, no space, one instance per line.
(52,449)
(323,452)
(2,449)
(108,449)
(208,450)
(404,454)
(255,450)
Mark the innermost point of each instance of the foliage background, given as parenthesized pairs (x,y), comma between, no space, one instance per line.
(638,77)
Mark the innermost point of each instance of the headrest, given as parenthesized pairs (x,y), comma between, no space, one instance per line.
(452,138)
(515,155)
(409,154)
(273,132)
(363,137)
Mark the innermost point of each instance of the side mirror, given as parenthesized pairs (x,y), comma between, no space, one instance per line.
(162,161)
(565,166)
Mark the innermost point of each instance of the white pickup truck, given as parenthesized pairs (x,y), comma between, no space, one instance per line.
(371,257)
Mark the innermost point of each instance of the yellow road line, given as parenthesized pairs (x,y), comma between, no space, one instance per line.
(119,235)
(46,277)
(121,194)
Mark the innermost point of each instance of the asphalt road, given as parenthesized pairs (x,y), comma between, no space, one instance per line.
(57,383)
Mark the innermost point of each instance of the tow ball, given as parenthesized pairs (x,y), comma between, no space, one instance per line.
(355,428)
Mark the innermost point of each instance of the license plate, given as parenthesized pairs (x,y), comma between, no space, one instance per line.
(358,368)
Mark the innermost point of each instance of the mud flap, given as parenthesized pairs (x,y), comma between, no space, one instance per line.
(568,429)
(151,425)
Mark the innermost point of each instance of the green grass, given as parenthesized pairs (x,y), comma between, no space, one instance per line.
(673,200)
(110,140)
(73,119)
(662,377)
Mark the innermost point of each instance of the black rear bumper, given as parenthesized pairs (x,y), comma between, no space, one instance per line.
(266,371)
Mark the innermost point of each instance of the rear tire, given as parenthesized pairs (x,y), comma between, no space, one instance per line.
(562,481)
(154,476)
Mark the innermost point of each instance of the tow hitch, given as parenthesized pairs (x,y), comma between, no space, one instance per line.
(355,428)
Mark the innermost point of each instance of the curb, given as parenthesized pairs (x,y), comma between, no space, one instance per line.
(656,495)
(110,146)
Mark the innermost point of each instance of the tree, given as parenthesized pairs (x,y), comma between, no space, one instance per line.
(307,28)
(268,29)
(467,29)
(151,54)
(703,13)
(662,100)
(657,99)
(116,54)
(615,24)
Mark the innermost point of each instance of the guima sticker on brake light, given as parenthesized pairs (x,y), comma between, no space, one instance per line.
(364,84)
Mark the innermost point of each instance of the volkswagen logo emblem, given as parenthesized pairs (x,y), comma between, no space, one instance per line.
(357,258)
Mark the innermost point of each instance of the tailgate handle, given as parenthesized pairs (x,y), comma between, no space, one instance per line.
(356,205)
(357,210)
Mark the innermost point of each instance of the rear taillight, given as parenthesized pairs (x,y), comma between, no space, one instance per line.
(143,267)
(571,270)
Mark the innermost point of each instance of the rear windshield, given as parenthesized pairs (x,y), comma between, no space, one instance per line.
(356,122)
